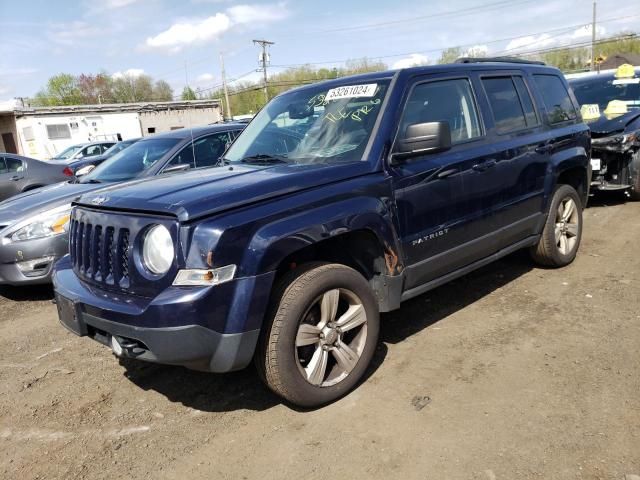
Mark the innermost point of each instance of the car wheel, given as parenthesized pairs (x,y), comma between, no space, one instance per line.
(560,239)
(321,334)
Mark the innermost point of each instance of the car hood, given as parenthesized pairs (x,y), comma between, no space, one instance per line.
(608,125)
(42,199)
(203,192)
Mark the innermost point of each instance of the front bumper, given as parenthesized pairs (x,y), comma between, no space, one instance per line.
(173,328)
(47,250)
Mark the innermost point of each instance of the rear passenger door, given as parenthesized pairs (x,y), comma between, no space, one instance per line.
(443,199)
(11,172)
(518,135)
(5,182)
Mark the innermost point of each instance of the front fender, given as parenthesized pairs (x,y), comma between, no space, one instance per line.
(279,239)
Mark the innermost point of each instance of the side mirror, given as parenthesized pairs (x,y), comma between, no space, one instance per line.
(422,138)
(181,167)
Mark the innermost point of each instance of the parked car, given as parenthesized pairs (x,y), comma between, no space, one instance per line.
(20,174)
(82,150)
(86,165)
(402,181)
(611,107)
(34,225)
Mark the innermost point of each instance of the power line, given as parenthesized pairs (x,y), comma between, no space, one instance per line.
(573,46)
(435,50)
(403,21)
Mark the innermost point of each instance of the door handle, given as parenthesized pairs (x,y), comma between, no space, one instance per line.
(486,165)
(447,173)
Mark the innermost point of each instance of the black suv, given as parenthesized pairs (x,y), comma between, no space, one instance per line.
(339,200)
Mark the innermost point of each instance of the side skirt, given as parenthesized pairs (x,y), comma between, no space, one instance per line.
(414,292)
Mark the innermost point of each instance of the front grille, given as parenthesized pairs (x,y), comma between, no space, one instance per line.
(100,253)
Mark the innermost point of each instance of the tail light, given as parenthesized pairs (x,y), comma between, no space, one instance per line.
(67,172)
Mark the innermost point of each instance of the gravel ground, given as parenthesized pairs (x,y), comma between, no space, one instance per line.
(512,372)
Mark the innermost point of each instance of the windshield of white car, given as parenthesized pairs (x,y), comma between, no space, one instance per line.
(312,125)
(132,161)
(67,152)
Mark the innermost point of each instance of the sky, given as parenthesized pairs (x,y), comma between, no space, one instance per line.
(180,41)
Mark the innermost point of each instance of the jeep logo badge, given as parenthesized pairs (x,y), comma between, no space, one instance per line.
(99,200)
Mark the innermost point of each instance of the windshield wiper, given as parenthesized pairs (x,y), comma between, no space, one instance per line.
(264,159)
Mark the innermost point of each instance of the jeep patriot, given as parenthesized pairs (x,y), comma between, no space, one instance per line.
(339,201)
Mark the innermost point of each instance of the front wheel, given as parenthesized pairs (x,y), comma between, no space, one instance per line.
(321,334)
(560,239)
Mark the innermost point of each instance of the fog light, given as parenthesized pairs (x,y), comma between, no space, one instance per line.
(214,276)
(116,347)
(30,266)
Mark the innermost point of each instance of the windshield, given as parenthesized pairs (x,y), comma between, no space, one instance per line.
(118,147)
(132,161)
(67,152)
(317,124)
(602,90)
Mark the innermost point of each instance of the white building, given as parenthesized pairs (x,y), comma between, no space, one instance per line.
(42,132)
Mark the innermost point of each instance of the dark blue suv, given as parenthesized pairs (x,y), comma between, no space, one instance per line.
(339,200)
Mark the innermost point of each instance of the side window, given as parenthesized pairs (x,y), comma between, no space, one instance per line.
(527,103)
(13,164)
(92,151)
(205,152)
(556,98)
(3,166)
(444,100)
(505,104)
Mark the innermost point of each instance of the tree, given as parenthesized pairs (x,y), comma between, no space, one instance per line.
(188,94)
(95,88)
(61,89)
(449,55)
(131,88)
(162,92)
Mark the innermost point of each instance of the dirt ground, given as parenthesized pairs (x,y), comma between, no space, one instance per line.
(513,372)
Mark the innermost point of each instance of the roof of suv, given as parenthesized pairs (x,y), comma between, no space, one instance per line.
(469,64)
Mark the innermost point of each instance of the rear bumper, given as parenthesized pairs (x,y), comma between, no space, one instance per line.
(169,328)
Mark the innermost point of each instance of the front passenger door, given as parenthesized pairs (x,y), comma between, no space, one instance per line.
(441,228)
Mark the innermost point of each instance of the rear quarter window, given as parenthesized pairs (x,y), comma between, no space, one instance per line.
(556,98)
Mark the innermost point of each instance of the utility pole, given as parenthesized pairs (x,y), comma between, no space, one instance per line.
(224,86)
(264,60)
(593,38)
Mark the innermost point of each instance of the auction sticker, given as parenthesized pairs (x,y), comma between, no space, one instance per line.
(351,91)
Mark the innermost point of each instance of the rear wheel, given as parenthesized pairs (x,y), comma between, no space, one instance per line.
(560,239)
(321,336)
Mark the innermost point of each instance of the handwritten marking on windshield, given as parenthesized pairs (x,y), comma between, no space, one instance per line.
(354,114)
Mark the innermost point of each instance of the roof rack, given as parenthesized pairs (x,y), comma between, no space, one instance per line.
(497,59)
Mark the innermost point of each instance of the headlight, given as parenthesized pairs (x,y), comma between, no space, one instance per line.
(157,250)
(48,224)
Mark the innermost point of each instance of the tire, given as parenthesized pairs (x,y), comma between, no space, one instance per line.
(560,239)
(300,333)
